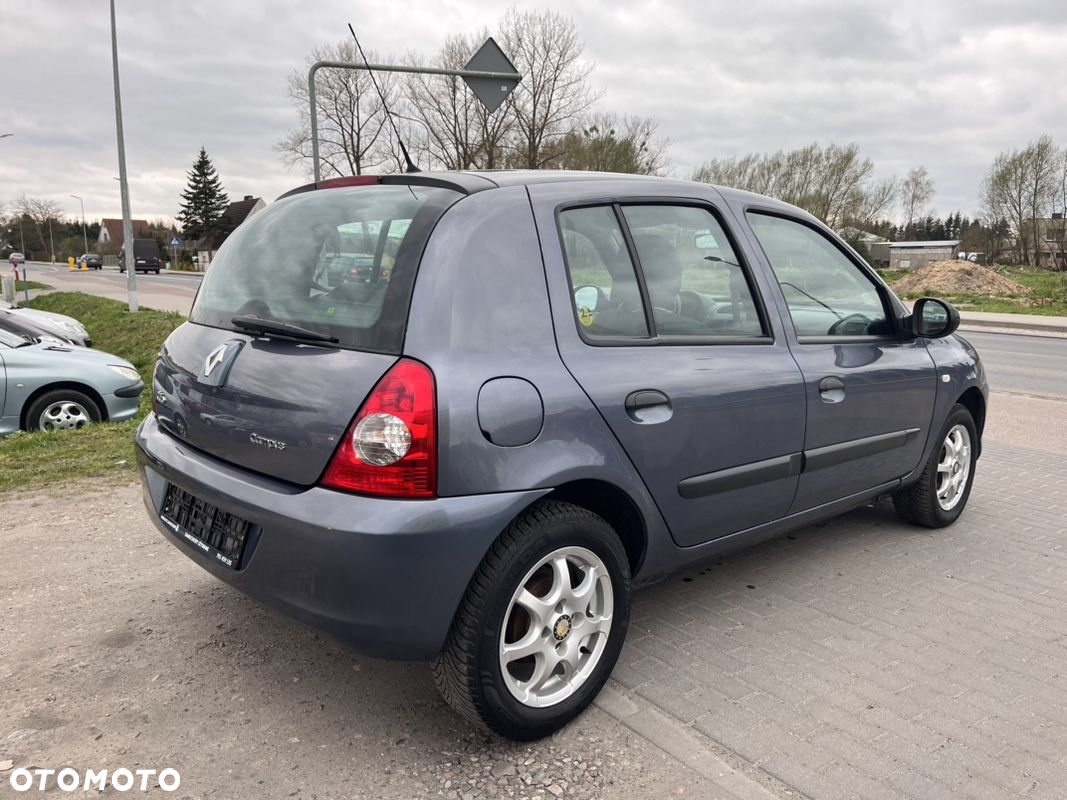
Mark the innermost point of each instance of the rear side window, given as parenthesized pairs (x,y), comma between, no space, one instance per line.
(341,262)
(695,280)
(607,300)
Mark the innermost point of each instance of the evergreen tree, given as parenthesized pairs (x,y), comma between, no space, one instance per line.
(203,200)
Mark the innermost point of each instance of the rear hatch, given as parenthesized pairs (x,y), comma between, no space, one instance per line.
(301,313)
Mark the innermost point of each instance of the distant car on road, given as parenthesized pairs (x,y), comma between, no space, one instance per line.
(16,259)
(91,260)
(53,388)
(145,256)
(58,325)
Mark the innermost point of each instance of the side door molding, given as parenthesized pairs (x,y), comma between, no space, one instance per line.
(835,454)
(724,480)
(793,464)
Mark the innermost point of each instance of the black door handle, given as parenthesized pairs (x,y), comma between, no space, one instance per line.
(648,405)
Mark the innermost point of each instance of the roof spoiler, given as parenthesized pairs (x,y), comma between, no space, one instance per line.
(458,182)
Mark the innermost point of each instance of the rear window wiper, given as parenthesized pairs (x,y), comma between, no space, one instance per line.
(267,327)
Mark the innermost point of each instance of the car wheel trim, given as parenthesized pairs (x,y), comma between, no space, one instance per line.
(556,627)
(64,415)
(953,467)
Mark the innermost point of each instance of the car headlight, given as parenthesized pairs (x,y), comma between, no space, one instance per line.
(129,373)
(74,327)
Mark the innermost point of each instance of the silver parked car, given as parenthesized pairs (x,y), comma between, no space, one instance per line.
(47,387)
(59,326)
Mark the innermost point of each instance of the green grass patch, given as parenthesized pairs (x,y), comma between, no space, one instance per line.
(21,286)
(36,460)
(891,276)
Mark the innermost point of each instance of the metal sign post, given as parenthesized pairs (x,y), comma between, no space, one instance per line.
(489,74)
(124,186)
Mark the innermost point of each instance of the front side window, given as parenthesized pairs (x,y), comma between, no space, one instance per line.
(826,293)
(340,262)
(695,281)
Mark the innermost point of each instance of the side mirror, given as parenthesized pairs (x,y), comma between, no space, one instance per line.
(933,318)
(704,240)
(586,297)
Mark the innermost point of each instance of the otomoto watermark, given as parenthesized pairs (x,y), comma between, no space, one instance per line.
(71,780)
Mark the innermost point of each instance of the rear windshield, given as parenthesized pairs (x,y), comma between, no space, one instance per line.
(336,261)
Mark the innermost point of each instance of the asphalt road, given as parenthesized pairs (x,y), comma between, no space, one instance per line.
(168,291)
(1032,365)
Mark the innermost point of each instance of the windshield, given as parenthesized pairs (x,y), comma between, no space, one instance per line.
(11,340)
(340,262)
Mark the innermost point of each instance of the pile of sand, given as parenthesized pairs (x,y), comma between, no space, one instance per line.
(948,278)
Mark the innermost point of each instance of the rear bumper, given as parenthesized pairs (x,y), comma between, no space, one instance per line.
(386,576)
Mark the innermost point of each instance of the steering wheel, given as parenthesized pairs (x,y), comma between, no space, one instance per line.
(851,319)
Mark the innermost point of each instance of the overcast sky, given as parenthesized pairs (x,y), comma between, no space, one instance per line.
(942,83)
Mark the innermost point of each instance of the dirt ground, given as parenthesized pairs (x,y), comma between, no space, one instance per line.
(956,278)
(118,651)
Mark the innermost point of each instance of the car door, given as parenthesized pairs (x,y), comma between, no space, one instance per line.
(870,394)
(662,324)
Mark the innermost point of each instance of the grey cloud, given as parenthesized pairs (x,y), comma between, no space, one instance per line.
(945,84)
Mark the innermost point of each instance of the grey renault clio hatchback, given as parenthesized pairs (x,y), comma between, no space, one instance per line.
(457,417)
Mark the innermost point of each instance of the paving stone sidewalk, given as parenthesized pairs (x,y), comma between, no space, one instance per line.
(864,658)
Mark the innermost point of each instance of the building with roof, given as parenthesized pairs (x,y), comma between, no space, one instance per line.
(110,236)
(235,213)
(916,255)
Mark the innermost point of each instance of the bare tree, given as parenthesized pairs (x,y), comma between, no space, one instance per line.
(608,143)
(874,201)
(456,130)
(1021,187)
(553,94)
(38,212)
(354,133)
(916,191)
(834,183)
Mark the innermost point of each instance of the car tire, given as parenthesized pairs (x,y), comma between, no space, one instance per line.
(62,409)
(551,551)
(938,498)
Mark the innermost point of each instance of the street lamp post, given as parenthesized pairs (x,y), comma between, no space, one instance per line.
(85,237)
(124,187)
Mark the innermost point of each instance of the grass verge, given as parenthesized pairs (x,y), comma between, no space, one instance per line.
(22,286)
(36,460)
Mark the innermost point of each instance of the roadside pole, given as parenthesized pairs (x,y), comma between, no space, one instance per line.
(489,74)
(124,187)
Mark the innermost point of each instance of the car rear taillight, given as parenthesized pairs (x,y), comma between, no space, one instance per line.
(390,449)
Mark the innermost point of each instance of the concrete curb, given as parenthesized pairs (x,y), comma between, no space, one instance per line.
(1024,327)
(736,778)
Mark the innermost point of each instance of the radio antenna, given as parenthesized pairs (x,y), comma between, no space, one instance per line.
(388,114)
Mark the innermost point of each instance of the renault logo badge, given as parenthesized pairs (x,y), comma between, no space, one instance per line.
(218,362)
(214,358)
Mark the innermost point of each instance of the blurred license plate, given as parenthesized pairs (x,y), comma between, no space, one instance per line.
(217,534)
